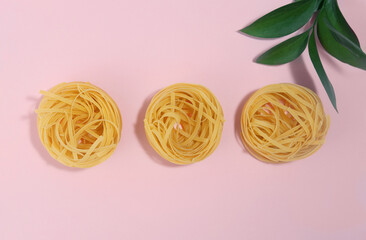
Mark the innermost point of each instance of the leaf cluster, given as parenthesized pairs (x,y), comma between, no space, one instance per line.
(330,27)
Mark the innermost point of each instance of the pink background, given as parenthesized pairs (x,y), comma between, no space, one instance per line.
(131,49)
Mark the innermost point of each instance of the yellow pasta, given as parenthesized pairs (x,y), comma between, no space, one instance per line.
(184,122)
(79,124)
(283,122)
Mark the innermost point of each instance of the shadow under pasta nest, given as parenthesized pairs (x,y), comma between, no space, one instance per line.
(36,142)
(237,123)
(141,136)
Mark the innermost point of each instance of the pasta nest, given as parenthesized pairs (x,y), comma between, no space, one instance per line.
(184,122)
(79,124)
(283,122)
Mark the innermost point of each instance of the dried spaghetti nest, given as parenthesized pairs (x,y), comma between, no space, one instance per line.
(184,122)
(283,122)
(79,124)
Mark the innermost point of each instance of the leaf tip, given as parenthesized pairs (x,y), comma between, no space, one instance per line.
(245,31)
(261,60)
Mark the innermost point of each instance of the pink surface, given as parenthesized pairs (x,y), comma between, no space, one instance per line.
(131,49)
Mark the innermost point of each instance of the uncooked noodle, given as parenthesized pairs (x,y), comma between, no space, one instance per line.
(283,122)
(184,122)
(79,124)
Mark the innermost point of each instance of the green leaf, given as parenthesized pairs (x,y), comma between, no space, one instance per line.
(315,59)
(337,20)
(282,21)
(338,45)
(286,51)
(347,43)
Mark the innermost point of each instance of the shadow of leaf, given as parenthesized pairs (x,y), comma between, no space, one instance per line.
(301,75)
